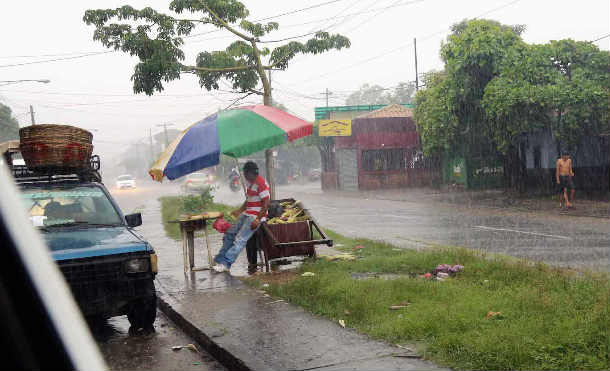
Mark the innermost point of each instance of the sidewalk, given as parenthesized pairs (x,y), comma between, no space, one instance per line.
(245,329)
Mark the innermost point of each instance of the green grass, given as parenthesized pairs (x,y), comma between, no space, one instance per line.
(553,319)
(173,206)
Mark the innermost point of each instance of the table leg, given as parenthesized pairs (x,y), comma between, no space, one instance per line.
(207,243)
(190,240)
(184,249)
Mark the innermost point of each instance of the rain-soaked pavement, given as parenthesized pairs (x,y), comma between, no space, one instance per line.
(149,351)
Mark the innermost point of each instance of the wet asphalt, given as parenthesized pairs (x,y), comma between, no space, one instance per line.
(149,351)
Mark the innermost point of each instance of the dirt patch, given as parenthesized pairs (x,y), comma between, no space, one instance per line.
(279,278)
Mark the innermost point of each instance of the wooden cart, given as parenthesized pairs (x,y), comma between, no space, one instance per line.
(291,239)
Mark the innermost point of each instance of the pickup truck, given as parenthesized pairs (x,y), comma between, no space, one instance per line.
(108,266)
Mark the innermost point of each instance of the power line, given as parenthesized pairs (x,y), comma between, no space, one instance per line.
(57,59)
(601,38)
(48,55)
(398,48)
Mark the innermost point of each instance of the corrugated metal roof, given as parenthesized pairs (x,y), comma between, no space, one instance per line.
(393,110)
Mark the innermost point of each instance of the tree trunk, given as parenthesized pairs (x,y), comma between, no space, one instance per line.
(267,102)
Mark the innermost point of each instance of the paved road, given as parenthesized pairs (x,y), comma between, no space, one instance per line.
(418,220)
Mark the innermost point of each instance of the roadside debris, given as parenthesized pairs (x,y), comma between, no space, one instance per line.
(342,323)
(274,302)
(308,274)
(191,347)
(347,312)
(343,256)
(265,285)
(494,315)
(446,268)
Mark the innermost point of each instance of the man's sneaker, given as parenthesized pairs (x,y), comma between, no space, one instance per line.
(219,268)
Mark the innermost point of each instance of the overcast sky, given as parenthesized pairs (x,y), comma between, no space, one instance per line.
(95,92)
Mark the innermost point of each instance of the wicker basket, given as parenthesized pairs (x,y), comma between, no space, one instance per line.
(55,147)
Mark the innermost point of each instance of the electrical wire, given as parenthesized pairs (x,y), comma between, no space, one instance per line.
(57,59)
(600,38)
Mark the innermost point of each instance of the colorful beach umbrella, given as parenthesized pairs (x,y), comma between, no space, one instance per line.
(237,132)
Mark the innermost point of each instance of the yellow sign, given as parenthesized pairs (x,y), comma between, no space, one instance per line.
(335,128)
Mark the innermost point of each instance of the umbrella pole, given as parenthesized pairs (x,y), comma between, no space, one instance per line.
(241,178)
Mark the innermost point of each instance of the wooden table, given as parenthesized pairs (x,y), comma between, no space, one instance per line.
(188,226)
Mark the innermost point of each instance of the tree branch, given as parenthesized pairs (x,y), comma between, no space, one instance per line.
(220,69)
(226,25)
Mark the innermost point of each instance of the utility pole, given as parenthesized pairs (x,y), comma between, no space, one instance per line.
(152,152)
(165,130)
(32,115)
(416,74)
(327,93)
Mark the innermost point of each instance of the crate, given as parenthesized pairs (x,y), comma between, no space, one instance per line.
(291,239)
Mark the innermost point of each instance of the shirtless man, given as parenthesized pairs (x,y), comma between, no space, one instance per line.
(564,175)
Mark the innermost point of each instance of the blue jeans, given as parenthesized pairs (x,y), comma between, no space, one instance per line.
(235,240)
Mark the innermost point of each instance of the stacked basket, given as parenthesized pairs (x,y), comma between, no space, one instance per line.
(56,148)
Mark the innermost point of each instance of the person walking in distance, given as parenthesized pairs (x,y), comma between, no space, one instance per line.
(249,216)
(564,177)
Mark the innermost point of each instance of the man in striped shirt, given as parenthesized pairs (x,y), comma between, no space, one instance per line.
(249,216)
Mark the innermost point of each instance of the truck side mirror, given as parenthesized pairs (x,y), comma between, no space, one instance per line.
(134,220)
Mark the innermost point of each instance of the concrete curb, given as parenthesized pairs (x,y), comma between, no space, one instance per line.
(227,358)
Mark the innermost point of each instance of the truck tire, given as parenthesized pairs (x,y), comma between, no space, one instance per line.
(143,313)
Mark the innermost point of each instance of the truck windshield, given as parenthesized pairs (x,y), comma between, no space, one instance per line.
(59,206)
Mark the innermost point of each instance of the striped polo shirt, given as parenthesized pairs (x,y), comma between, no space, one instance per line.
(256,193)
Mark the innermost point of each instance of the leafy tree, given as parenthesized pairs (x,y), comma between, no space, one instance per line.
(157,38)
(562,86)
(9,127)
(376,94)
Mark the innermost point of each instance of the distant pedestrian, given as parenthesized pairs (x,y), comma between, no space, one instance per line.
(564,176)
(249,216)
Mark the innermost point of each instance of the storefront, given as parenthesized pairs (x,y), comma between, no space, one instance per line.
(382,147)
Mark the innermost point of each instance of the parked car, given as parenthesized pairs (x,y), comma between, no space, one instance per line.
(197,182)
(108,266)
(125,181)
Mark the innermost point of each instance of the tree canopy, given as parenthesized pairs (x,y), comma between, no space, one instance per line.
(157,38)
(9,127)
(375,94)
(495,87)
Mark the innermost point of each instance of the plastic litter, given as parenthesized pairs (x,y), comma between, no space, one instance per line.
(265,285)
(494,315)
(196,363)
(221,225)
(442,275)
(338,257)
(347,312)
(342,323)
(308,274)
(446,268)
(427,275)
(191,347)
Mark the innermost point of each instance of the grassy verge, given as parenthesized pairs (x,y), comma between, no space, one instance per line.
(174,206)
(550,318)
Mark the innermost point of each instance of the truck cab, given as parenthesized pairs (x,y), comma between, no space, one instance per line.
(108,266)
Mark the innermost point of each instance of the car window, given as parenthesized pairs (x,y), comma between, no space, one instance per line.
(61,206)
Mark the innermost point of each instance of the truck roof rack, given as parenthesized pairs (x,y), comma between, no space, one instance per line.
(23,175)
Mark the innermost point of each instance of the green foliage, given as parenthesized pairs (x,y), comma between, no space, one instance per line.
(156,39)
(562,85)
(495,87)
(9,127)
(375,94)
(552,319)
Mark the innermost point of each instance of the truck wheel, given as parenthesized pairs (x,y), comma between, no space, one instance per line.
(142,313)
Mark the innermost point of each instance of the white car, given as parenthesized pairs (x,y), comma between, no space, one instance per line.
(125,181)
